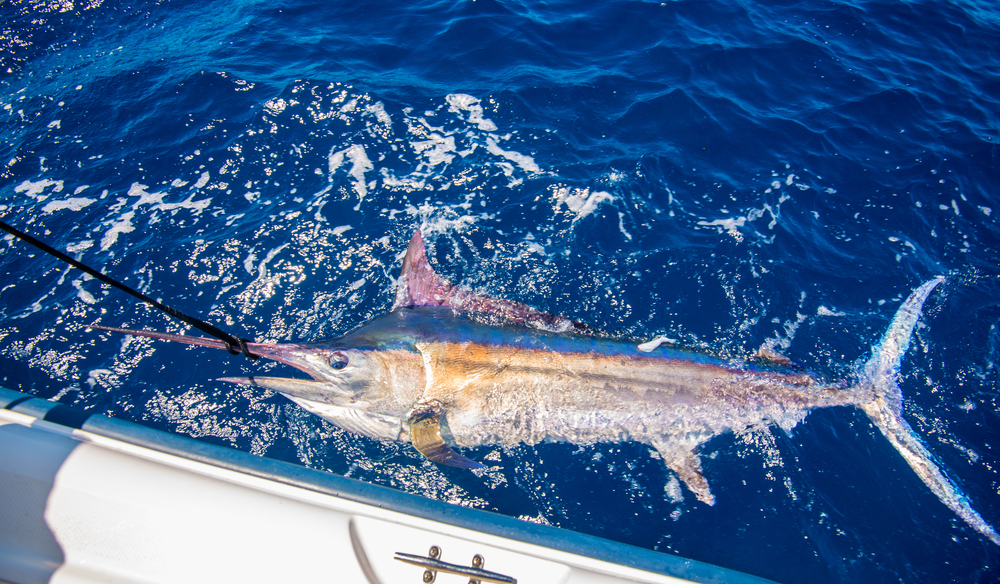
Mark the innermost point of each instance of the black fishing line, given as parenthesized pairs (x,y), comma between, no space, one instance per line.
(234,345)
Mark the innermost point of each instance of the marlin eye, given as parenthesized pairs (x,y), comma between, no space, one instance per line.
(338,361)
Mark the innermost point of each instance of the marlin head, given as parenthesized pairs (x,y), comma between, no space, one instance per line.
(373,392)
(365,391)
(343,377)
(338,376)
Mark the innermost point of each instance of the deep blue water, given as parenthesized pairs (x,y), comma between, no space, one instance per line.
(732,174)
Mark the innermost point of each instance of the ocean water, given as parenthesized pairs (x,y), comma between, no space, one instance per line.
(730,174)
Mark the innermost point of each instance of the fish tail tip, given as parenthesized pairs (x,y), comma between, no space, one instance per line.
(987,530)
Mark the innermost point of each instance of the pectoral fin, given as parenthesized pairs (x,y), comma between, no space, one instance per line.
(683,461)
(425,433)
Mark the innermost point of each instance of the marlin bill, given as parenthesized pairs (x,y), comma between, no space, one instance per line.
(448,368)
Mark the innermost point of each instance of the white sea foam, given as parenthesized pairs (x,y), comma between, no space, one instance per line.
(621,226)
(459,102)
(534,247)
(248,262)
(155,200)
(82,294)
(80,245)
(435,150)
(378,110)
(732,224)
(780,343)
(436,145)
(73,204)
(262,267)
(360,164)
(526,163)
(444,219)
(123,225)
(582,202)
(406,183)
(95,376)
(202,180)
(34,189)
(145,197)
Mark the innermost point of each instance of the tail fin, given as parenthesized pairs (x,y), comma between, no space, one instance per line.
(886,410)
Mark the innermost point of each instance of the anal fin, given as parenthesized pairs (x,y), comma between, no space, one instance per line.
(425,433)
(683,461)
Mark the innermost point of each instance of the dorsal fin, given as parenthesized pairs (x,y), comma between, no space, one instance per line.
(418,285)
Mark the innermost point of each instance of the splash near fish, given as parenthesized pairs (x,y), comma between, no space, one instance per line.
(448,367)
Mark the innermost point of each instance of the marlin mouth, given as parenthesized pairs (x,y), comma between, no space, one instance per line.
(320,389)
(317,391)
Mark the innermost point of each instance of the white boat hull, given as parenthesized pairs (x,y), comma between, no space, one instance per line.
(91,499)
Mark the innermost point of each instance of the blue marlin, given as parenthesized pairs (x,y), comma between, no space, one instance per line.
(448,368)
